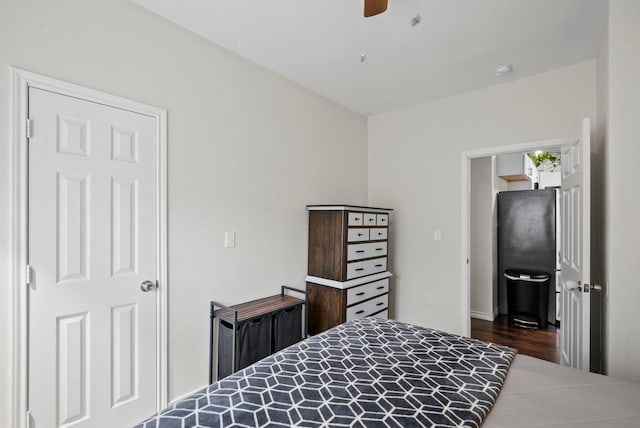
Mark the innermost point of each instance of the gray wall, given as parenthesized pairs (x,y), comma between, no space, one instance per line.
(482,236)
(619,78)
(248,150)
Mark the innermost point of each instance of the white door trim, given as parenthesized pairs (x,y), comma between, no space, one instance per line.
(21,80)
(465,227)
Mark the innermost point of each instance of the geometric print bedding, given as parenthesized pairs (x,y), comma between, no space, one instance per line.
(364,373)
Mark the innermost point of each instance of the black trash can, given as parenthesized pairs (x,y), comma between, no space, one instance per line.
(527,297)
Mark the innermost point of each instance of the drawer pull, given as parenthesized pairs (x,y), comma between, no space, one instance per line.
(378,265)
(360,234)
(380,288)
(379,249)
(370,219)
(360,293)
(356,218)
(359,251)
(361,311)
(379,233)
(380,304)
(359,269)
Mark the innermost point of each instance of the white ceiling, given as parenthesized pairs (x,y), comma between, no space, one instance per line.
(455,48)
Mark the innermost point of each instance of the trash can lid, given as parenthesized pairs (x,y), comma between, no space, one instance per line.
(526,274)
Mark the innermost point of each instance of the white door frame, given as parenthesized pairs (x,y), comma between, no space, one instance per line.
(21,80)
(466,214)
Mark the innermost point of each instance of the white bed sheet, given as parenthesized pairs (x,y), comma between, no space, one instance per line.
(538,393)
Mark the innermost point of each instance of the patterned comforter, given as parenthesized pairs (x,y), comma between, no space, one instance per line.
(364,373)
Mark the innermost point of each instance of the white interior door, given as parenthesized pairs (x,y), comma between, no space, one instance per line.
(575,248)
(92,242)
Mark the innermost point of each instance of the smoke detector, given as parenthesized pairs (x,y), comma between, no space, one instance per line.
(503,69)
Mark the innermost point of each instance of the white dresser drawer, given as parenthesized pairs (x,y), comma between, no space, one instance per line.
(355,219)
(366,267)
(355,235)
(377,233)
(369,219)
(367,308)
(382,219)
(384,315)
(367,291)
(365,251)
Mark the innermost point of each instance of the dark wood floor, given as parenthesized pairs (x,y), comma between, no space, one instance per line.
(543,344)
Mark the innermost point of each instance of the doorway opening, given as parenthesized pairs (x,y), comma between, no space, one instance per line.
(514,232)
(579,323)
(512,171)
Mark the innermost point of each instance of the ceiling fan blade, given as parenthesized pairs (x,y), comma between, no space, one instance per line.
(374,7)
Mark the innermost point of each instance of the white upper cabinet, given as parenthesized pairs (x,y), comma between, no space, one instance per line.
(516,167)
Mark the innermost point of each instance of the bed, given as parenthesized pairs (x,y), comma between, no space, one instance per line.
(380,373)
(538,393)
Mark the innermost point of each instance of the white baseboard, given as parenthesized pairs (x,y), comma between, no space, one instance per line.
(482,316)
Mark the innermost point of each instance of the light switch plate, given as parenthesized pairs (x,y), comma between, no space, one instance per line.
(229,240)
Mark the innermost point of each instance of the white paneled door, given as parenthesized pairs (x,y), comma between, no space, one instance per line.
(92,244)
(575,249)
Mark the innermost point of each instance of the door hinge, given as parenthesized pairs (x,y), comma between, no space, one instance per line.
(29,128)
(28,275)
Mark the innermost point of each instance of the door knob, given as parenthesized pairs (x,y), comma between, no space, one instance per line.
(572,285)
(147,286)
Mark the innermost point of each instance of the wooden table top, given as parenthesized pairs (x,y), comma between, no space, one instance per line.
(259,307)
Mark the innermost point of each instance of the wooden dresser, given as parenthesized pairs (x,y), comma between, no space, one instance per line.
(348,277)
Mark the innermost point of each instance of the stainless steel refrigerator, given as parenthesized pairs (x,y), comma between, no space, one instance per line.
(527,229)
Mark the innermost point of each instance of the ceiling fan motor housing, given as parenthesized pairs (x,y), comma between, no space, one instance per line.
(374,7)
